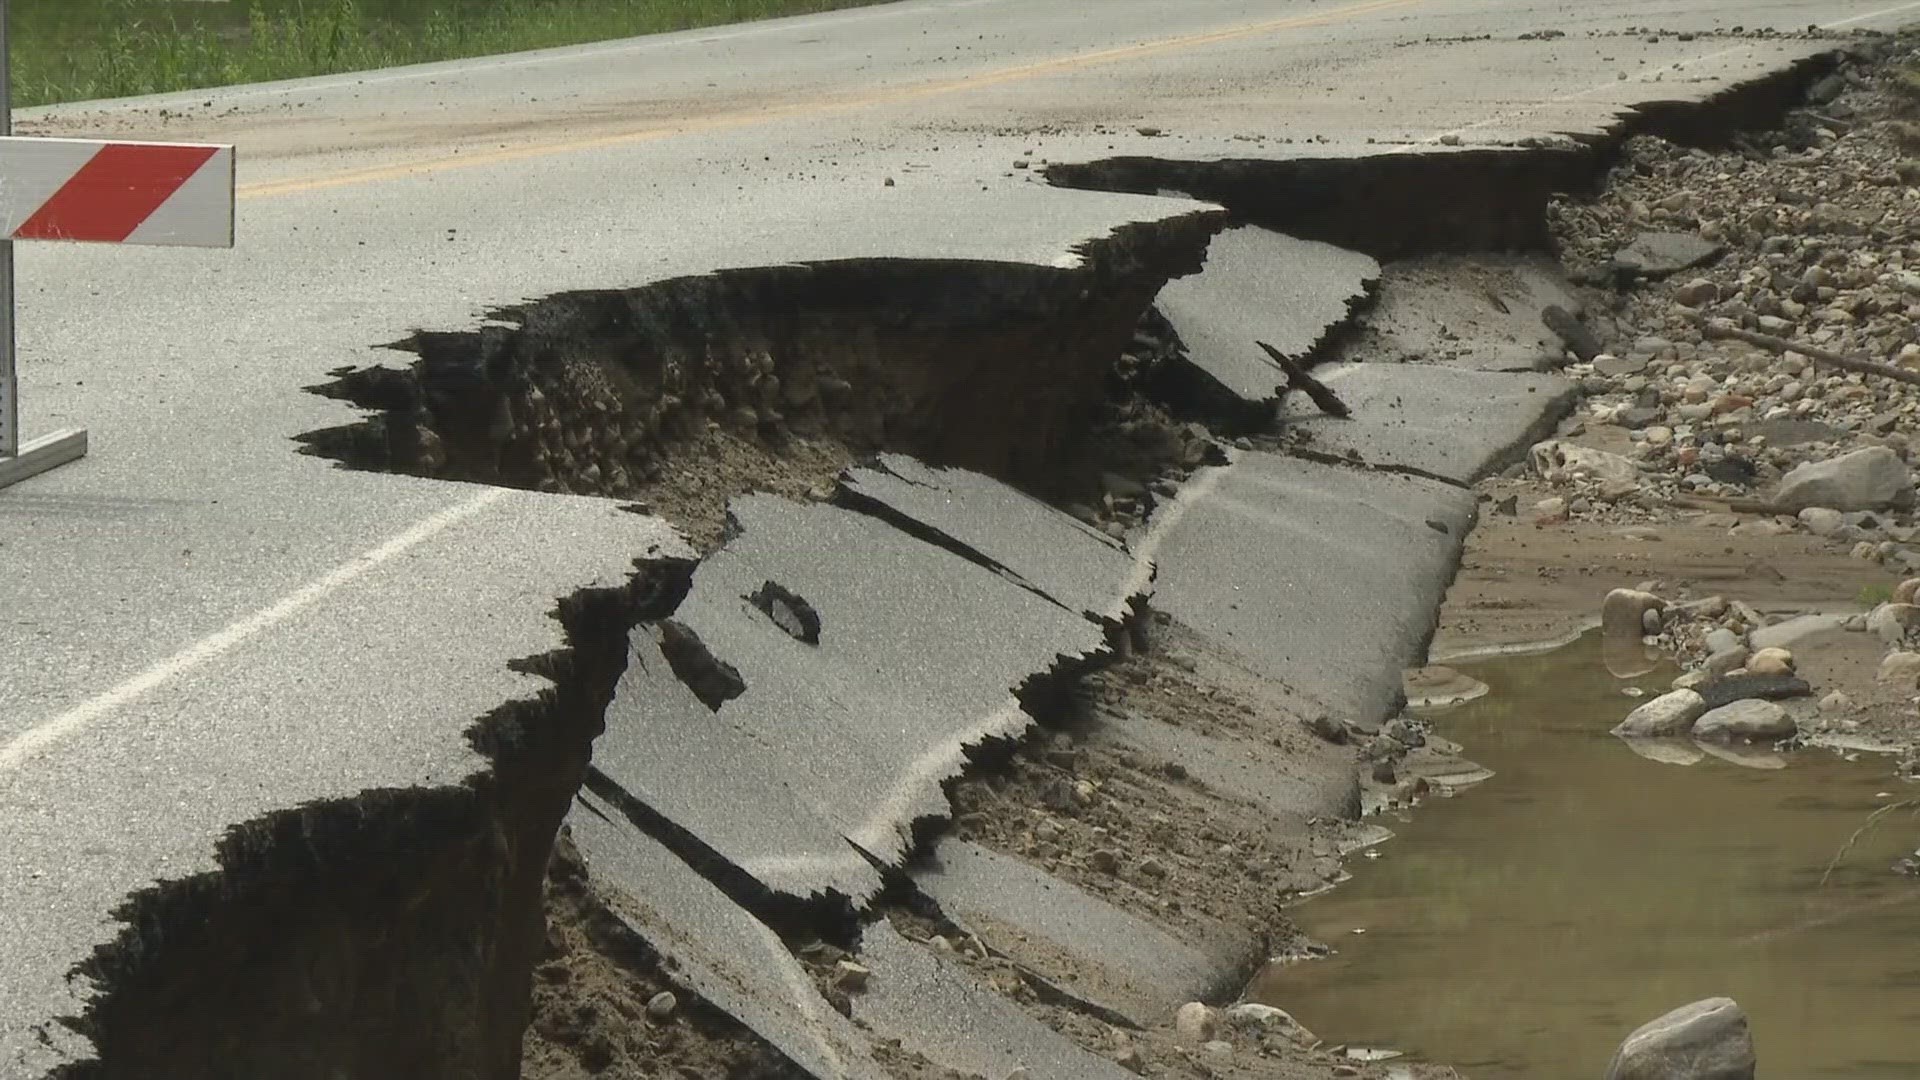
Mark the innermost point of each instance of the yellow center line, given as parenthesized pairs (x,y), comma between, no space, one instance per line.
(747,118)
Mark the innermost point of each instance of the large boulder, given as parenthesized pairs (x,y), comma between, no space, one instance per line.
(1751,720)
(1868,479)
(1707,1040)
(1669,714)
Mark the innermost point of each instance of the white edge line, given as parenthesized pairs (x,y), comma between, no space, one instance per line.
(17,750)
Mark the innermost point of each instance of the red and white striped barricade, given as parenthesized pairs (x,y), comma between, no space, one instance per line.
(169,194)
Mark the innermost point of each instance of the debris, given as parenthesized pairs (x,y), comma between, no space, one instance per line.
(1571,331)
(1298,379)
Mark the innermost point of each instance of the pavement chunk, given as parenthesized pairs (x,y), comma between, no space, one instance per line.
(1076,565)
(1327,578)
(919,654)
(936,1009)
(717,950)
(1264,286)
(1455,424)
(1110,955)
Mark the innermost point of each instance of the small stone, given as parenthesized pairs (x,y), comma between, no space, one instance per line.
(661,1005)
(1725,662)
(1899,668)
(1749,720)
(1153,868)
(1707,1040)
(1327,728)
(1720,639)
(848,975)
(1774,661)
(1697,293)
(1218,1048)
(1838,703)
(1650,621)
(1105,860)
(1194,1022)
(1672,713)
(1550,511)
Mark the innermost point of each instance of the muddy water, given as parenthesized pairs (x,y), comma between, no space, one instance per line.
(1522,928)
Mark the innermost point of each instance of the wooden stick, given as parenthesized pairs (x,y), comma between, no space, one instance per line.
(1298,379)
(1721,328)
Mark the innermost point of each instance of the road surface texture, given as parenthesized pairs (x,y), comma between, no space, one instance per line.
(217,649)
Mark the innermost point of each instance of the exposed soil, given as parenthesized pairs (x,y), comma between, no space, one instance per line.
(590,996)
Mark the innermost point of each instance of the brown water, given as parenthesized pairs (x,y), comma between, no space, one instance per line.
(1524,927)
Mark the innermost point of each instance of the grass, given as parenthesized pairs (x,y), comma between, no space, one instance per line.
(1872,596)
(73,50)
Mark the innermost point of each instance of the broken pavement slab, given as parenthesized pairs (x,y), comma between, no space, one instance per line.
(1077,940)
(917,654)
(1075,565)
(1265,286)
(1327,578)
(1483,313)
(716,949)
(1656,255)
(935,1008)
(1444,422)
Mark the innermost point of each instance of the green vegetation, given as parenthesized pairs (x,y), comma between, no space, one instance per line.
(70,50)
(1872,596)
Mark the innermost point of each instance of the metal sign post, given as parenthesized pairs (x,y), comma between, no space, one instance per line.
(171,194)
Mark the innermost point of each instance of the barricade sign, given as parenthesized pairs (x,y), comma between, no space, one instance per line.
(167,194)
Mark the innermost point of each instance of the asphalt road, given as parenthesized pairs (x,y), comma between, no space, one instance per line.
(200,626)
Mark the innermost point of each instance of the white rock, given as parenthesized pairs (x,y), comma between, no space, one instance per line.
(1623,612)
(1558,461)
(1891,622)
(1774,661)
(1720,639)
(1752,720)
(1838,703)
(1822,521)
(1672,713)
(1899,668)
(1194,1022)
(1707,1040)
(1866,479)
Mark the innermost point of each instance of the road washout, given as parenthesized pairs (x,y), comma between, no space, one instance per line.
(1168,772)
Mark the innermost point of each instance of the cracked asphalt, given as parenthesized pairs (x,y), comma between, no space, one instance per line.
(201,626)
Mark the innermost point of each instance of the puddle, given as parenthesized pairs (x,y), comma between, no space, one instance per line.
(1523,928)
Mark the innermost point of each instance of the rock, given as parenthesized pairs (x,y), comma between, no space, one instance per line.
(1194,1022)
(1707,1040)
(848,975)
(1571,331)
(1720,639)
(1152,867)
(661,1005)
(1782,635)
(1900,668)
(1218,1048)
(1774,661)
(1822,521)
(1250,1016)
(1866,479)
(1725,662)
(1838,703)
(1622,612)
(1651,621)
(1697,293)
(1327,728)
(1105,860)
(1659,435)
(1734,688)
(1761,527)
(1125,1053)
(1663,254)
(1891,622)
(1786,431)
(1558,461)
(1619,367)
(1669,714)
(1750,720)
